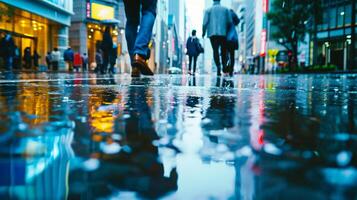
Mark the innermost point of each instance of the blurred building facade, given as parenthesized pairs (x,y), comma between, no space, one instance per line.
(40,25)
(336,34)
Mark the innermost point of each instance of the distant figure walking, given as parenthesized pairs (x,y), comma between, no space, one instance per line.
(48,60)
(98,60)
(56,56)
(113,58)
(68,57)
(77,62)
(232,43)
(107,47)
(141,14)
(7,46)
(27,58)
(216,22)
(194,49)
(85,62)
(36,57)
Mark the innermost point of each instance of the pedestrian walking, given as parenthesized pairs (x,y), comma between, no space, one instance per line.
(68,57)
(85,62)
(56,56)
(48,60)
(232,43)
(107,47)
(27,58)
(77,62)
(194,48)
(17,58)
(216,22)
(140,14)
(8,51)
(36,57)
(113,58)
(98,60)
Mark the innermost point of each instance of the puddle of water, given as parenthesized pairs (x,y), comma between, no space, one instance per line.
(177,137)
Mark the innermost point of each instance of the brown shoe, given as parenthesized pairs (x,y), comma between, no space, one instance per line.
(141,63)
(135,72)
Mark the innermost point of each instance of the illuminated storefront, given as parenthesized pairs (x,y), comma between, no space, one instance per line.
(89,23)
(40,25)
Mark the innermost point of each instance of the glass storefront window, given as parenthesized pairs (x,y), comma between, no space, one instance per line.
(29,30)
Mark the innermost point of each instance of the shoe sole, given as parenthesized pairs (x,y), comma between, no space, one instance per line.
(144,69)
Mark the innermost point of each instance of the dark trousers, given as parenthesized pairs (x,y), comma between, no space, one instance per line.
(138,40)
(190,60)
(231,57)
(104,66)
(54,65)
(219,45)
(85,67)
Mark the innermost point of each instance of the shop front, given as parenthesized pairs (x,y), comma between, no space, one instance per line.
(89,24)
(32,27)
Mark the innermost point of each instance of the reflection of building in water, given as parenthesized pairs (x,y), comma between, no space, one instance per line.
(35,101)
(43,174)
(101,111)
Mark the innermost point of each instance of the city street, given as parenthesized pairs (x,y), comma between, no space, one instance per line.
(82,135)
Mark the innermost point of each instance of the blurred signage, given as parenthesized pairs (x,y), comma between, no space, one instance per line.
(263,42)
(265,6)
(101,12)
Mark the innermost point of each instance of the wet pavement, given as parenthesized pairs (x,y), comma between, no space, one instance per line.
(82,136)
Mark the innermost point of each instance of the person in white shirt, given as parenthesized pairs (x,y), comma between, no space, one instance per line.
(56,56)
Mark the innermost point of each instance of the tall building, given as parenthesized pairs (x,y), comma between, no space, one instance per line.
(336,36)
(40,25)
(177,27)
(89,22)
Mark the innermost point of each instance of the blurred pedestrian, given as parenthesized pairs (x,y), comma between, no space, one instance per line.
(85,62)
(140,14)
(27,58)
(48,60)
(216,22)
(194,49)
(36,58)
(98,60)
(107,47)
(56,56)
(77,62)
(68,57)
(232,43)
(113,58)
(7,46)
(17,58)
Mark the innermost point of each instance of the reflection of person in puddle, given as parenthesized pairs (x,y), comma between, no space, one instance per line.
(221,112)
(136,167)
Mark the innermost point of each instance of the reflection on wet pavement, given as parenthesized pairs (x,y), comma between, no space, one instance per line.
(79,136)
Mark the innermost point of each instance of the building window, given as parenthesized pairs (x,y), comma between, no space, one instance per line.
(348,15)
(332,23)
(340,16)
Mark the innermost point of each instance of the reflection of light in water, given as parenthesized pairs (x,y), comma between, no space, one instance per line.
(102,117)
(257,119)
(35,100)
(202,181)
(54,148)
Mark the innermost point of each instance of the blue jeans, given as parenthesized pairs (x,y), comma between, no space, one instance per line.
(139,13)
